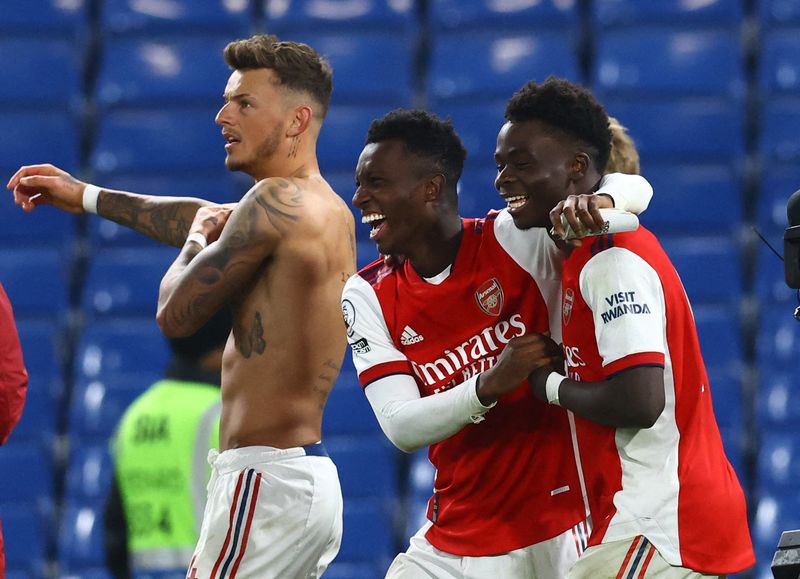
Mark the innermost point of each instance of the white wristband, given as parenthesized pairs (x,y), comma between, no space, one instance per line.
(90,195)
(551,387)
(198,238)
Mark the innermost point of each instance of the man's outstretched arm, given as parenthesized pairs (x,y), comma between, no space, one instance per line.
(165,219)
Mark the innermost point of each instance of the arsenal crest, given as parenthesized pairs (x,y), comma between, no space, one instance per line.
(566,305)
(490,297)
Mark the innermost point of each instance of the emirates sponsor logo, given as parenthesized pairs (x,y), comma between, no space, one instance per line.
(566,305)
(409,336)
(471,357)
(490,297)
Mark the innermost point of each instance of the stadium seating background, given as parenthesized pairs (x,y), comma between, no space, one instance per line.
(123,93)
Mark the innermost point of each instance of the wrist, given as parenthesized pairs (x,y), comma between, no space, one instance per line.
(552,388)
(197,238)
(89,199)
(483,389)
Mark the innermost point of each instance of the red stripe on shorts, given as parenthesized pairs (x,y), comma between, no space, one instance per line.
(627,557)
(230,526)
(650,554)
(253,501)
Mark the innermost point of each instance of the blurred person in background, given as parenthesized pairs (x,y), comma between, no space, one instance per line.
(158,494)
(624,157)
(13,384)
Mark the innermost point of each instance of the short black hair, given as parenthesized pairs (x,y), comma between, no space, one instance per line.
(567,107)
(211,336)
(425,135)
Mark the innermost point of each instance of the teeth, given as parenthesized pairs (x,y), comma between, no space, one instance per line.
(372,218)
(516,202)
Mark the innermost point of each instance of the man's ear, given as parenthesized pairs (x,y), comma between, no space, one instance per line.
(580,166)
(302,118)
(434,186)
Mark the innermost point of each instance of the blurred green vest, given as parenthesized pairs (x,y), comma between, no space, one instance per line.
(160,454)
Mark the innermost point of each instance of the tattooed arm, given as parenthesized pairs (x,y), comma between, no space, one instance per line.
(201,280)
(165,219)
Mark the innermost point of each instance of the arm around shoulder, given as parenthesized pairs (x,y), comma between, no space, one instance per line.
(628,192)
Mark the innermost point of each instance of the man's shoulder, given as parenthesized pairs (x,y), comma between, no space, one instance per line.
(376,272)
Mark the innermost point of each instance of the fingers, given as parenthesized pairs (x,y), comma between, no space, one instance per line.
(555,218)
(571,210)
(26,170)
(590,213)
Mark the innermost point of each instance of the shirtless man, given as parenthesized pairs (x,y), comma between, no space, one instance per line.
(280,257)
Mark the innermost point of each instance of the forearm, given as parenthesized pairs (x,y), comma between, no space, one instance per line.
(165,219)
(628,192)
(177,315)
(414,423)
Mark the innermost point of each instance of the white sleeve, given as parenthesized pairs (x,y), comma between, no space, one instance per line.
(630,193)
(411,422)
(627,301)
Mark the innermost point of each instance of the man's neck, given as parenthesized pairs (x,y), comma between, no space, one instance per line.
(439,248)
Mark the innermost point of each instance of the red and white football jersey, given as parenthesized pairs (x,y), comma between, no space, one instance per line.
(623,306)
(509,479)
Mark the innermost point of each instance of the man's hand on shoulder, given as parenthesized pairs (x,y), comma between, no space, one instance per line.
(210,221)
(582,213)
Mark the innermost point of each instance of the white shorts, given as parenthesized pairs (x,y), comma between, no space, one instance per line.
(271,513)
(634,557)
(549,559)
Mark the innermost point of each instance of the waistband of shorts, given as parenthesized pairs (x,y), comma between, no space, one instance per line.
(238,458)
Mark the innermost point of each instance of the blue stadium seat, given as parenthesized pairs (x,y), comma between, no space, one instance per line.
(721,335)
(338,570)
(57,82)
(420,488)
(123,346)
(774,514)
(90,471)
(778,400)
(158,141)
(48,18)
(292,16)
(709,268)
(80,537)
(366,253)
(44,299)
(44,227)
(97,406)
(39,417)
(342,137)
(692,199)
(482,14)
(93,573)
(368,466)
(125,282)
(476,192)
(497,64)
(677,62)
(770,285)
(368,534)
(347,411)
(477,126)
(231,17)
(776,185)
(607,13)
(777,338)
(359,77)
(28,475)
(691,130)
(780,137)
(778,464)
(152,72)
(38,136)
(779,13)
(40,348)
(26,539)
(726,394)
(779,71)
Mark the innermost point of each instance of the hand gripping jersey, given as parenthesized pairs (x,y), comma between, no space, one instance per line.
(509,479)
(624,306)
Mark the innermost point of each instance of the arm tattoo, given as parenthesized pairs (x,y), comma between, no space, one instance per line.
(166,220)
(280,202)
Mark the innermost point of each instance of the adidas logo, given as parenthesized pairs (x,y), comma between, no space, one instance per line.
(409,337)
